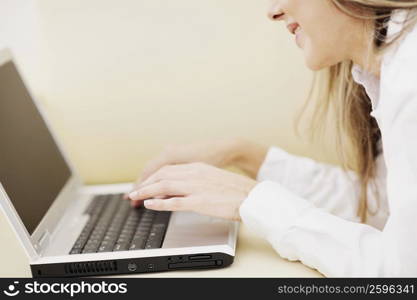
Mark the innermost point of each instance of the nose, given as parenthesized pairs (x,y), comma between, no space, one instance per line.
(275,11)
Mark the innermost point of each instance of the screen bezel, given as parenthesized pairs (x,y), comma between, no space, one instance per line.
(39,239)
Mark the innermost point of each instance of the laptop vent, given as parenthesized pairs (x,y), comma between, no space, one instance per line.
(92,267)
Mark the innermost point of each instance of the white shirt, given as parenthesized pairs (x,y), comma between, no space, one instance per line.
(308,210)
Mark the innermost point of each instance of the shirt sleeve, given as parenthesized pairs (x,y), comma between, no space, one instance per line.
(299,230)
(327,186)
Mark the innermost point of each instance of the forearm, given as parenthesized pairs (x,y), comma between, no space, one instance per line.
(300,231)
(248,156)
(326,186)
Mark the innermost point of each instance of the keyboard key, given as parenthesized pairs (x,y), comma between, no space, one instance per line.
(105,248)
(121,247)
(154,242)
(75,251)
(138,243)
(89,251)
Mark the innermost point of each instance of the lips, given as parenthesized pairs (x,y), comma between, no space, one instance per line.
(293,28)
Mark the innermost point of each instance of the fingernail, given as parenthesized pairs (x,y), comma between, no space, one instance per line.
(133,194)
(148,203)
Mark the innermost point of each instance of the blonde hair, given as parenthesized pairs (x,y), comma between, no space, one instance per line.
(336,91)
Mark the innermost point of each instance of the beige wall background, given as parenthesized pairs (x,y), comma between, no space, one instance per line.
(121,79)
(124,78)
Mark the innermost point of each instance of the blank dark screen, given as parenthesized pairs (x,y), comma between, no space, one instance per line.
(32,169)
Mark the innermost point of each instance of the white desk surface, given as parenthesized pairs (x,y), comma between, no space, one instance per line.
(254,258)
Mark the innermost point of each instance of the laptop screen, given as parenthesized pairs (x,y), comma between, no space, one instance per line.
(32,169)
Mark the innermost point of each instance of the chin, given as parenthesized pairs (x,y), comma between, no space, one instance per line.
(314,64)
(314,60)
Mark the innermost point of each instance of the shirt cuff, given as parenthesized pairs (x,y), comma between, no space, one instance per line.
(270,210)
(274,166)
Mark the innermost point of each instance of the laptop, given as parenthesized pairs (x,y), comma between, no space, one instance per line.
(68,229)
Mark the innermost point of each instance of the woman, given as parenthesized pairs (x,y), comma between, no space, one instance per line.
(343,223)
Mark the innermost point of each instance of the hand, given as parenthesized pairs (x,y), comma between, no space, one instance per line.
(196,187)
(219,153)
(243,154)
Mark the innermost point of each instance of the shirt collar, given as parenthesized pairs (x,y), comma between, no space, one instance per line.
(369,81)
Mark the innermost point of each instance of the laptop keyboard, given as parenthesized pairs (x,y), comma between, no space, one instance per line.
(116,226)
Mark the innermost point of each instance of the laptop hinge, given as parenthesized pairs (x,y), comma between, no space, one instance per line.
(43,242)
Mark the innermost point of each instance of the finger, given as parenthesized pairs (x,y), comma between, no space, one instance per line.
(132,188)
(170,204)
(161,189)
(138,203)
(168,172)
(152,167)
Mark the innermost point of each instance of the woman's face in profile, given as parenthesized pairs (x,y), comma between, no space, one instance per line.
(326,35)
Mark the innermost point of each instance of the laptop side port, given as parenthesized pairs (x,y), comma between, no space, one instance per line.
(199,257)
(192,264)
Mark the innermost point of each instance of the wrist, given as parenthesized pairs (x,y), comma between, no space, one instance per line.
(233,151)
(249,186)
(249,157)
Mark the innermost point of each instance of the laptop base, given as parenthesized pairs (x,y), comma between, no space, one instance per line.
(133,265)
